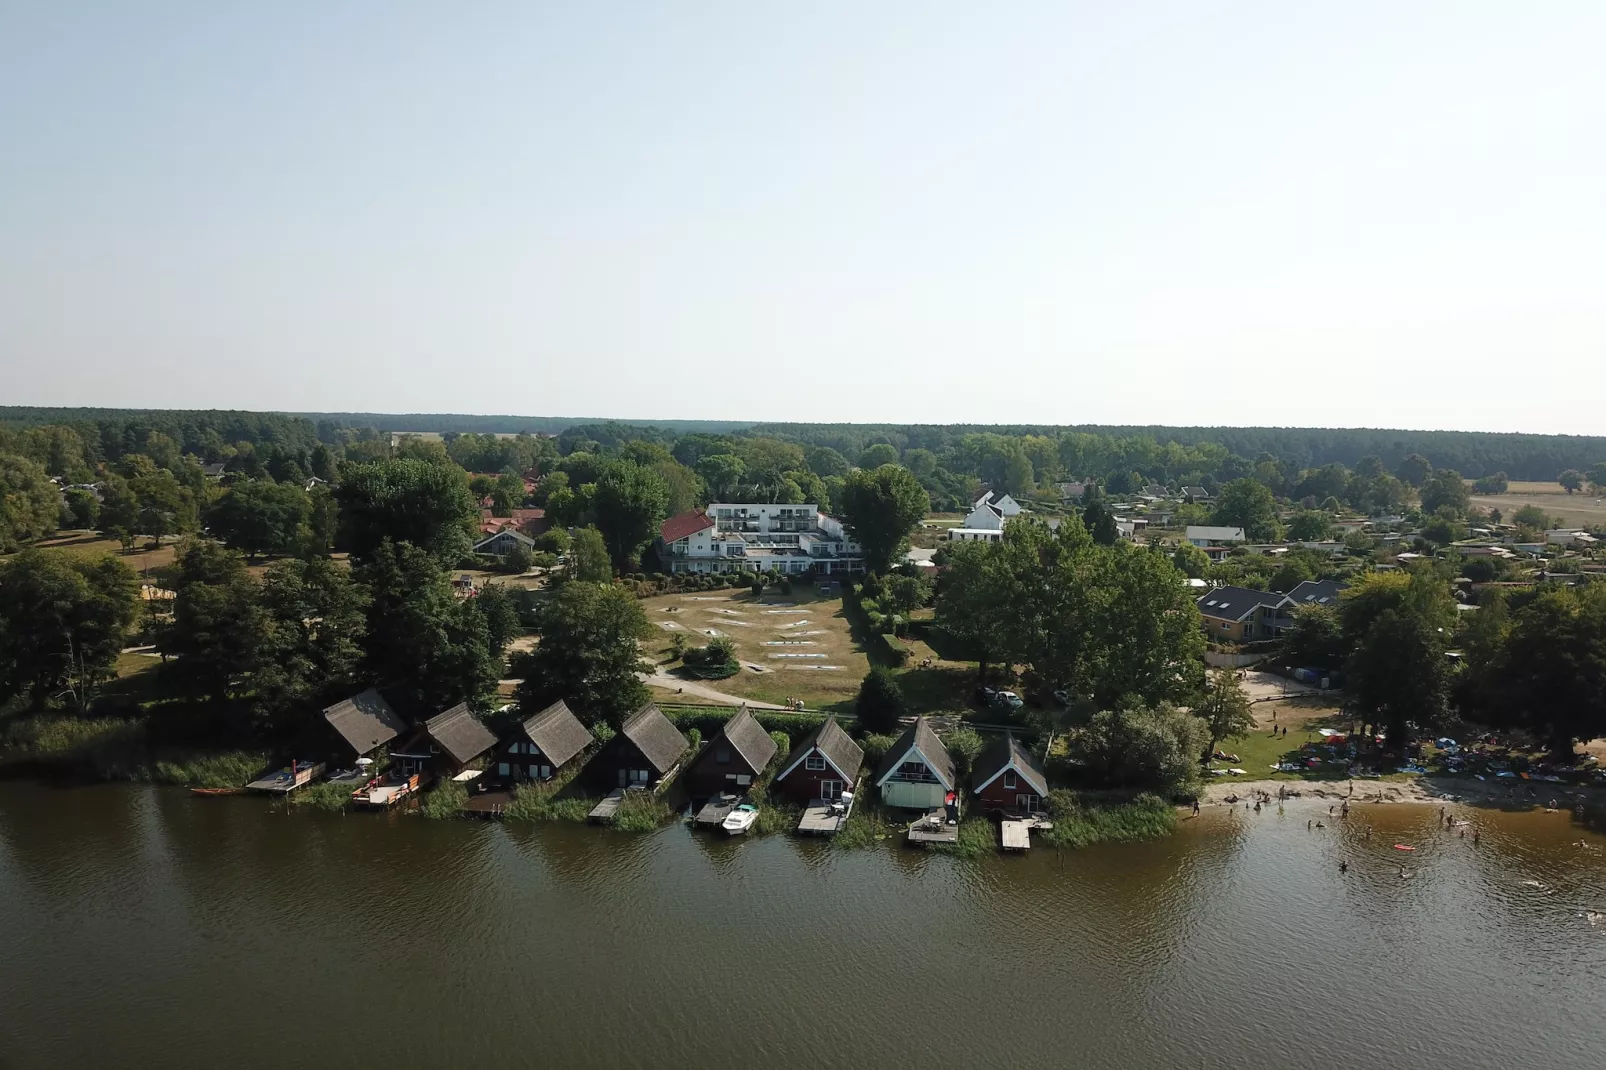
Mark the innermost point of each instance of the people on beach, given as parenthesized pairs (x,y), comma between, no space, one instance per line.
(1196,808)
(1308,825)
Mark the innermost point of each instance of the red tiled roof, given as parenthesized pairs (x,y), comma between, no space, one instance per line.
(678,527)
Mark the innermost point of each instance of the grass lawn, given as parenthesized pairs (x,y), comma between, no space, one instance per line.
(89,544)
(801,623)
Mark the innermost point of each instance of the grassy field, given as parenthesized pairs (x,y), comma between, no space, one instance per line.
(1582,509)
(802,623)
(89,544)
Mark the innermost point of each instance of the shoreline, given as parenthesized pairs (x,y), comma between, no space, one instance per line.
(1425,790)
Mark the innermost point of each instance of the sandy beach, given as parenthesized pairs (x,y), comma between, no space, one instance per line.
(1432,790)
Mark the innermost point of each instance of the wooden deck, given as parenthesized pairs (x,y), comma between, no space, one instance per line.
(1016,835)
(284,781)
(488,803)
(608,807)
(385,792)
(819,819)
(933,828)
(718,808)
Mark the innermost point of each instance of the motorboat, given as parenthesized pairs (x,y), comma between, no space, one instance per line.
(740,819)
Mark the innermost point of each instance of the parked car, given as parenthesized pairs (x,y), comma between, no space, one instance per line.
(1007,700)
(984,695)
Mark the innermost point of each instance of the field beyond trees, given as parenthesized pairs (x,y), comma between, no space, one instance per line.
(1572,510)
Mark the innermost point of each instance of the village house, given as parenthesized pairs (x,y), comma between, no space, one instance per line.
(1070,491)
(917,771)
(1241,615)
(1576,537)
(821,767)
(732,760)
(1008,779)
(1316,593)
(444,745)
(643,753)
(986,520)
(1196,496)
(539,747)
(503,542)
(365,722)
(531,522)
(759,538)
(1204,536)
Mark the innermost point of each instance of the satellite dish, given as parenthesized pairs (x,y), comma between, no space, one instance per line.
(364,763)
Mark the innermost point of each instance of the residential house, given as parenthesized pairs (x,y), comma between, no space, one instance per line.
(1217,554)
(1196,496)
(1241,615)
(214,470)
(444,745)
(1570,537)
(1205,535)
(1008,779)
(365,722)
(732,760)
(1316,593)
(758,537)
(1070,491)
(539,747)
(986,520)
(917,770)
(531,522)
(643,753)
(821,767)
(504,541)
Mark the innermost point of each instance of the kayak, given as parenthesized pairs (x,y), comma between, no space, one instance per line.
(210,792)
(1403,847)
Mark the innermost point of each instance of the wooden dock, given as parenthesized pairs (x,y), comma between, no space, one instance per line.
(284,781)
(385,791)
(608,807)
(488,803)
(821,818)
(1016,833)
(933,828)
(716,810)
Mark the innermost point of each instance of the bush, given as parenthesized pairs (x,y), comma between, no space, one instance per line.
(876,745)
(716,661)
(880,701)
(785,585)
(642,811)
(710,719)
(446,800)
(895,649)
(1146,817)
(964,744)
(694,737)
(1145,750)
(539,802)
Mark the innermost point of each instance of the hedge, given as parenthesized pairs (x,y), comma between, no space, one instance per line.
(710,719)
(896,649)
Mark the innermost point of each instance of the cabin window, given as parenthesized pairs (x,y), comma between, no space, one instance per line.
(1009,780)
(722,756)
(639,776)
(503,769)
(743,781)
(546,772)
(916,771)
(814,763)
(535,772)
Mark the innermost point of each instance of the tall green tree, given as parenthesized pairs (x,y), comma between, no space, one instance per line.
(422,640)
(1311,525)
(1572,480)
(880,702)
(630,502)
(220,632)
(1548,673)
(1398,627)
(589,654)
(1414,470)
(317,620)
(880,507)
(588,557)
(1248,504)
(258,516)
(878,454)
(407,500)
(723,473)
(63,621)
(1445,490)
(1225,709)
(30,506)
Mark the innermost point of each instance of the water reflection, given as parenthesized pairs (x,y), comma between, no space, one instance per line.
(177,932)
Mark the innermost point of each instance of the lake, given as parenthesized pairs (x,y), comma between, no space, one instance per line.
(141,927)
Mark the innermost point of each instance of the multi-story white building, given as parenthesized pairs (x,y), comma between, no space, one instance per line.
(759,538)
(986,520)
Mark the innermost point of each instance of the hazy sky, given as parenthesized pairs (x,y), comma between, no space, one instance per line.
(1383,214)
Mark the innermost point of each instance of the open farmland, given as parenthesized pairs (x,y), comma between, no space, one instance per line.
(1582,509)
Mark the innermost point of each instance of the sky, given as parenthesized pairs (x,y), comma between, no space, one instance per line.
(1321,214)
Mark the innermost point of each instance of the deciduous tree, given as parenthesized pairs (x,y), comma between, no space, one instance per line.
(63,620)
(1248,504)
(407,500)
(880,507)
(588,655)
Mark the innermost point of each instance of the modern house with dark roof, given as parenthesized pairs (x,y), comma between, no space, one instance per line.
(917,771)
(538,747)
(1316,593)
(732,760)
(444,745)
(1241,615)
(644,751)
(1008,779)
(365,722)
(821,767)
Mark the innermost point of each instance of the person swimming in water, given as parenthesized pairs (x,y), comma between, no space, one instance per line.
(1343,867)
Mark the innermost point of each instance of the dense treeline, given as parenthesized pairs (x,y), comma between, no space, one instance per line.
(441,423)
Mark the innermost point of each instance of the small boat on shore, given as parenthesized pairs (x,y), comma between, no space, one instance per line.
(208,793)
(740,819)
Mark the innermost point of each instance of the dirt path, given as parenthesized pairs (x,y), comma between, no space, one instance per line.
(691,689)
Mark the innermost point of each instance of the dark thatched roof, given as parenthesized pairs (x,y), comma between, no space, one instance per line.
(460,734)
(558,732)
(658,741)
(836,745)
(748,738)
(366,721)
(1002,753)
(919,735)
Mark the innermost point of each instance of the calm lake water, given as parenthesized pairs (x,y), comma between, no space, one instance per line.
(140,927)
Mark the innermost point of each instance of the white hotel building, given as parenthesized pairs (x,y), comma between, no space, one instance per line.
(758,538)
